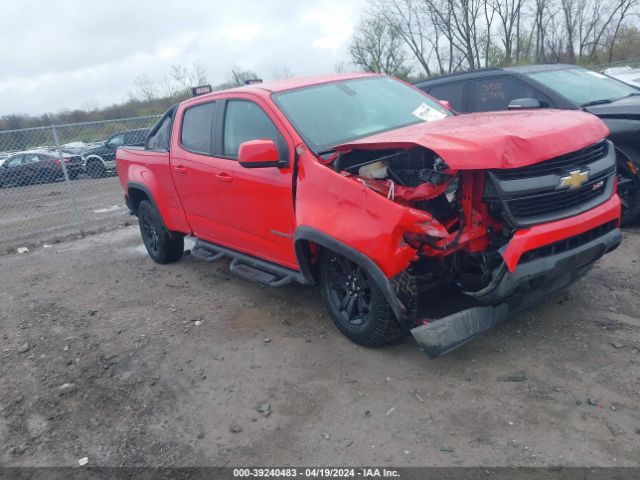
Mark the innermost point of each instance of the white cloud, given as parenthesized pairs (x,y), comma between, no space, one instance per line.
(65,54)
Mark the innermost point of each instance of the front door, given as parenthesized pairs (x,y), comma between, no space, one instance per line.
(257,203)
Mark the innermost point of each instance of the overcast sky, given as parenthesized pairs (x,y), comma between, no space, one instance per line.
(66,54)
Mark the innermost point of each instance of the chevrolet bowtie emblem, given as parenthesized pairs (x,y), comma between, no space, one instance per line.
(574,180)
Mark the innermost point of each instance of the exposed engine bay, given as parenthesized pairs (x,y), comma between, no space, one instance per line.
(459,244)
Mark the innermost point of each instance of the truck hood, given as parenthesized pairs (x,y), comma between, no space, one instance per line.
(628,107)
(494,139)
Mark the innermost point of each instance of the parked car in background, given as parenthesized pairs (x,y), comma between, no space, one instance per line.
(557,86)
(26,168)
(628,75)
(100,161)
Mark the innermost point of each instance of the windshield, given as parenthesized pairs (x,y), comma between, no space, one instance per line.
(583,86)
(329,114)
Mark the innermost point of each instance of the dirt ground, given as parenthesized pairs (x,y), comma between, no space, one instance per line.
(108,356)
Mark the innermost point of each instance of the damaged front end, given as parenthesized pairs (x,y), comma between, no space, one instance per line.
(455,237)
(464,236)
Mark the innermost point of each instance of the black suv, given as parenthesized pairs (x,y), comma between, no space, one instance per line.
(100,161)
(557,86)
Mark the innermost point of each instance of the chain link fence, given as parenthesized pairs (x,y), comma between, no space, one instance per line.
(60,181)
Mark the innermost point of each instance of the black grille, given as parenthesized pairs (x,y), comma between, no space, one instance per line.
(569,243)
(558,165)
(556,201)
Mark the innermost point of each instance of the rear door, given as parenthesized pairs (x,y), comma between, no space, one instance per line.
(257,203)
(195,171)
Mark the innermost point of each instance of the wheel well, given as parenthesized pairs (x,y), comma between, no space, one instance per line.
(94,158)
(136,196)
(308,253)
(308,239)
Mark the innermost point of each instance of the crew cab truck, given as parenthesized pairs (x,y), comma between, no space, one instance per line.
(367,186)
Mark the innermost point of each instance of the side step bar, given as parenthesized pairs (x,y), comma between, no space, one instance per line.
(248,267)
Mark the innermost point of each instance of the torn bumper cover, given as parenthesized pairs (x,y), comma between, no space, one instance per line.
(530,283)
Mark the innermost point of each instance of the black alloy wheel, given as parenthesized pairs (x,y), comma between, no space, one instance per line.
(349,291)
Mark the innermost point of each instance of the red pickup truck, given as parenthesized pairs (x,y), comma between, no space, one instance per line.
(370,188)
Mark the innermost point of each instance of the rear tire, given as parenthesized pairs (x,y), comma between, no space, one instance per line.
(355,303)
(162,245)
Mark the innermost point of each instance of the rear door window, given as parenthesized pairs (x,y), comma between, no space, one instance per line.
(452,92)
(197,128)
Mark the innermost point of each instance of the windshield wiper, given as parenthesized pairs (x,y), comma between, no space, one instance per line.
(597,102)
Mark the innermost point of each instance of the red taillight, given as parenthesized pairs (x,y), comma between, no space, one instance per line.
(58,162)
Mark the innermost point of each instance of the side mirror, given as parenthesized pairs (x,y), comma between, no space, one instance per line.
(446,104)
(259,154)
(524,104)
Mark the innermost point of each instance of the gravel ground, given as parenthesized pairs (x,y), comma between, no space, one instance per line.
(36,214)
(108,356)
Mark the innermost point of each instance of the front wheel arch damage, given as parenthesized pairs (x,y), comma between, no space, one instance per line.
(355,303)
(403,286)
(319,241)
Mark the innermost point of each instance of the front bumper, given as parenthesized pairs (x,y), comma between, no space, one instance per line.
(513,290)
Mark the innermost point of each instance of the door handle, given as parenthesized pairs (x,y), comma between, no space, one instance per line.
(224,177)
(180,169)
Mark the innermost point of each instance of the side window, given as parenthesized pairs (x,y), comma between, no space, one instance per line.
(197,128)
(15,161)
(495,93)
(243,121)
(159,139)
(452,92)
(32,158)
(116,141)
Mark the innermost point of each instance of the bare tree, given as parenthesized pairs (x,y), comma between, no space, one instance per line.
(625,7)
(281,73)
(508,12)
(146,88)
(409,23)
(187,77)
(377,47)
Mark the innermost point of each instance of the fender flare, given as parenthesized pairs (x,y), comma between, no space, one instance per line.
(310,234)
(145,190)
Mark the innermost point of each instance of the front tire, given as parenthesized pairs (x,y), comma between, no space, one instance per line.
(628,191)
(355,303)
(96,169)
(162,245)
